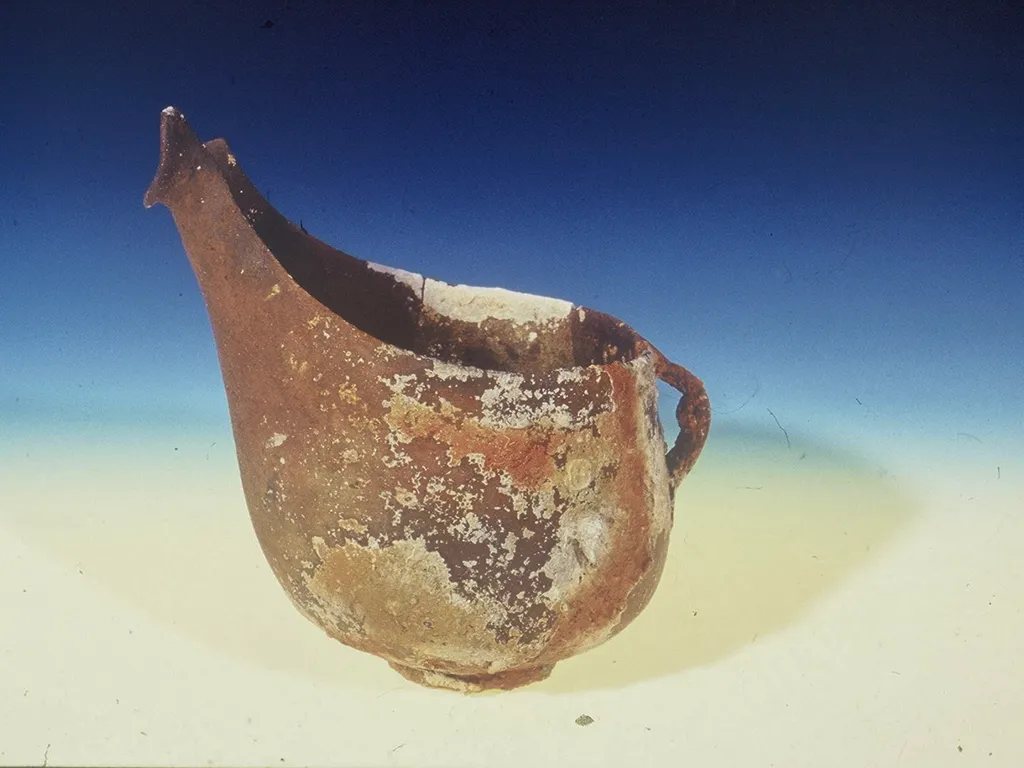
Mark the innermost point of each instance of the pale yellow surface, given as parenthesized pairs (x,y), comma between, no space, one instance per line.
(821,607)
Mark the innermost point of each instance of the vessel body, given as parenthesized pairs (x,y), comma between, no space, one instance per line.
(471,483)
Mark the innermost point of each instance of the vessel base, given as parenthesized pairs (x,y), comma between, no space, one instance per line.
(500,681)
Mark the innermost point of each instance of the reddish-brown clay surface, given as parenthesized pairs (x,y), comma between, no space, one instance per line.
(468,482)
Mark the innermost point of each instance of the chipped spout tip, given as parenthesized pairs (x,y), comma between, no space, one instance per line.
(178,146)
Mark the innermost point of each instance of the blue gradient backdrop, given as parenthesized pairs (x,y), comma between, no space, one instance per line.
(816,207)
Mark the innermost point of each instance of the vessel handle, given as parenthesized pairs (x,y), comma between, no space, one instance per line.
(693,414)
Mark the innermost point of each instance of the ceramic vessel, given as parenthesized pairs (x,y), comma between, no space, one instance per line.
(471,483)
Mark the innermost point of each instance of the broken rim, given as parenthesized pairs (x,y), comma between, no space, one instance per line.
(491,329)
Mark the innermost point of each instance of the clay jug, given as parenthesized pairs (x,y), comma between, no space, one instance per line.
(470,483)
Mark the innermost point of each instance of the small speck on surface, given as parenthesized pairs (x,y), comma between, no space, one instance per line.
(584,720)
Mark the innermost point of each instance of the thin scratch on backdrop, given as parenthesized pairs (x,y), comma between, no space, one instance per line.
(757,388)
(784,432)
(842,265)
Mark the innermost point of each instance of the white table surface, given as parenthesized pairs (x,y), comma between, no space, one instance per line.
(845,601)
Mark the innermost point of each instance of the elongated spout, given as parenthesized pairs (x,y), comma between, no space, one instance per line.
(180,152)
